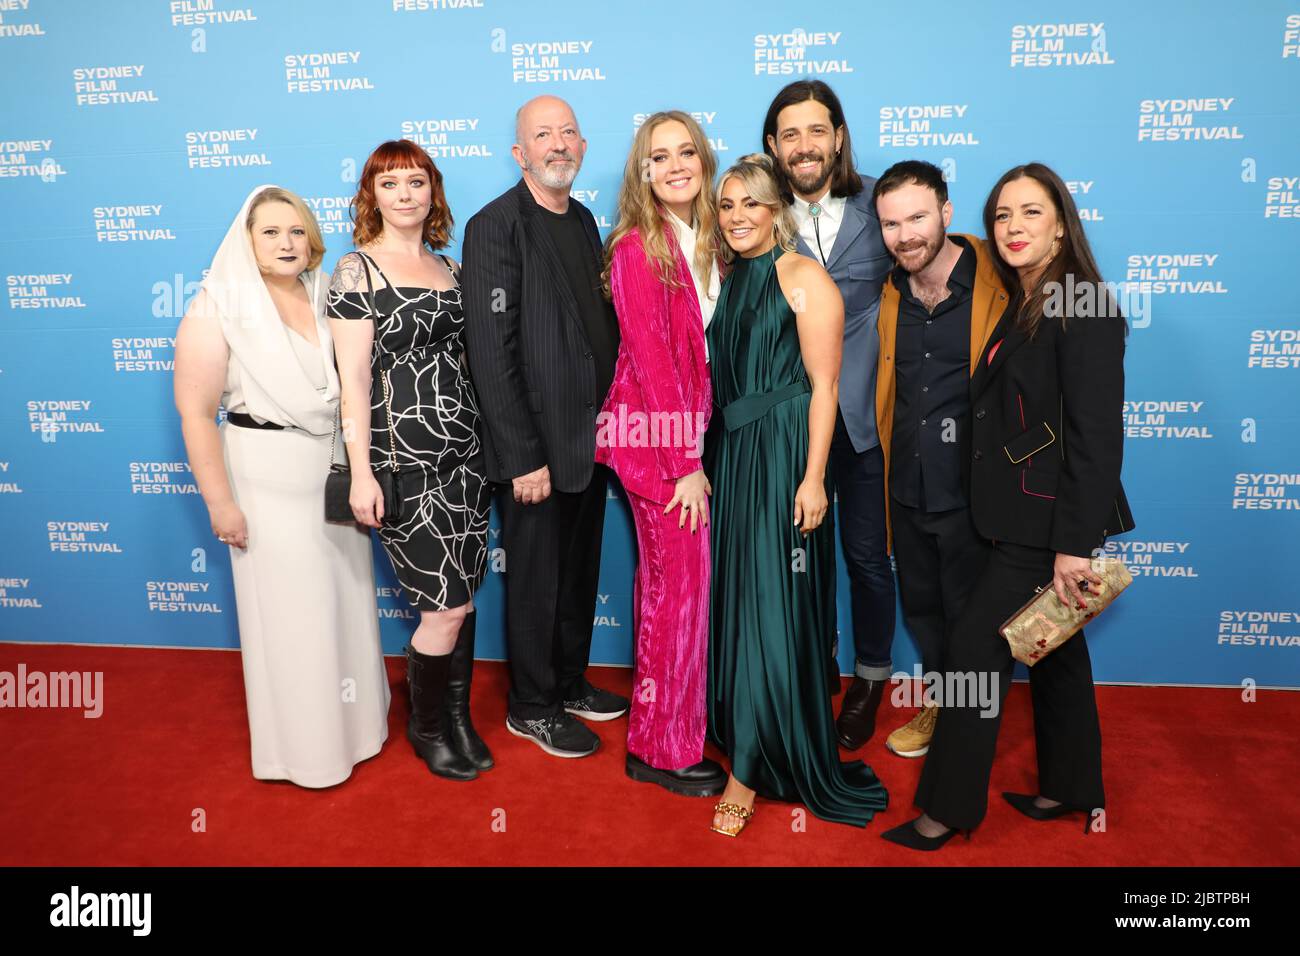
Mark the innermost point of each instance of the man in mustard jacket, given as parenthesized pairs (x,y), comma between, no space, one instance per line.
(938,308)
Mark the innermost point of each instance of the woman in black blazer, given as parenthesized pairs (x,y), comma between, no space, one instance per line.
(1046,446)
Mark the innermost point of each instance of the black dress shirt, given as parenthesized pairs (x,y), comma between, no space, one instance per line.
(932,398)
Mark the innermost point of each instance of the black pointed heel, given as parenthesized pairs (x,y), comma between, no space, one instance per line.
(1024,802)
(907,836)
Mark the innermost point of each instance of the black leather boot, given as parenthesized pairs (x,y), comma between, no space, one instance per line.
(463,735)
(427,728)
(857,720)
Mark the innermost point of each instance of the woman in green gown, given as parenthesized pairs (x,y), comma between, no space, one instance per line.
(775,343)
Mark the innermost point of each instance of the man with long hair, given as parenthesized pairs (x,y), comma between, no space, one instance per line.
(807,136)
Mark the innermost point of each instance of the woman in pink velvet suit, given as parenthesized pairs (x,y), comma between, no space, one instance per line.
(662,274)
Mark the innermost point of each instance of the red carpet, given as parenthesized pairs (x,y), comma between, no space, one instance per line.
(1193,777)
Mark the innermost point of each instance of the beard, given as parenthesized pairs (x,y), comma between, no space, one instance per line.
(811,183)
(915,255)
(555,178)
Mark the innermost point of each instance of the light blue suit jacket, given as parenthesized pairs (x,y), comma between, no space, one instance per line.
(858,263)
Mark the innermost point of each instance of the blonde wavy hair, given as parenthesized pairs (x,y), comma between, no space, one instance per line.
(758,174)
(639,209)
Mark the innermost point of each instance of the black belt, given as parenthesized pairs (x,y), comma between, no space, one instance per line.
(248,421)
(750,408)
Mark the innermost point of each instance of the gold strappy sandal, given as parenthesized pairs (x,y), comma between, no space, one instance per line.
(735,810)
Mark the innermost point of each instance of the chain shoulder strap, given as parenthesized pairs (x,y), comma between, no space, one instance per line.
(388,408)
(334,433)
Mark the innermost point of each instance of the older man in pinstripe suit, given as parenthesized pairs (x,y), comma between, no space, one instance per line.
(542,341)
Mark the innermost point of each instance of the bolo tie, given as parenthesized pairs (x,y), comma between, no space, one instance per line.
(815,210)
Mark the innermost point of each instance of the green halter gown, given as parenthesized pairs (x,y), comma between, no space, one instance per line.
(773,592)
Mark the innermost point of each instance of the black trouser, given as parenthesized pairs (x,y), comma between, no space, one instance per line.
(939,557)
(860,486)
(552,572)
(955,779)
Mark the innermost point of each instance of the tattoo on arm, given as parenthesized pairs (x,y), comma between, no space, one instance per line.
(348,276)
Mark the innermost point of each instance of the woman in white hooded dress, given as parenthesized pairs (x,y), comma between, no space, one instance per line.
(255,341)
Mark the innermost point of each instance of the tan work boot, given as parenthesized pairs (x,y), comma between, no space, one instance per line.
(913,738)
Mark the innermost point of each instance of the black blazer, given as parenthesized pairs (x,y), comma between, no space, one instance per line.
(1047,435)
(529,356)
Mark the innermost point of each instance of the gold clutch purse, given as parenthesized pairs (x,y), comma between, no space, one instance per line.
(1044,623)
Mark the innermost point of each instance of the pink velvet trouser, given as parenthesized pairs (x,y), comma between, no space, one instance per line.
(667,720)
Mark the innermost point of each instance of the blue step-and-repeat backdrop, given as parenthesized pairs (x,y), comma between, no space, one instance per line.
(132,130)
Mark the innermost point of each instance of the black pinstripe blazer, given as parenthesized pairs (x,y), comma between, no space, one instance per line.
(529,356)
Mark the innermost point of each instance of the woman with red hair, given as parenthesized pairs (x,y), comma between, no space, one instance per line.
(397,328)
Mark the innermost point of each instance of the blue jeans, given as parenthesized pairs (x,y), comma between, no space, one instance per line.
(860,485)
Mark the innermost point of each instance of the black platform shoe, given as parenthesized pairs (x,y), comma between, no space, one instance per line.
(703,779)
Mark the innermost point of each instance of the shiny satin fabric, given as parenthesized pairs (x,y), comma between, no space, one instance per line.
(773,591)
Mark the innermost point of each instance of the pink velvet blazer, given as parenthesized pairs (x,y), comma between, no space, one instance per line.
(651,427)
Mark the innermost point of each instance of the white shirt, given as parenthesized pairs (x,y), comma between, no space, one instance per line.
(828,222)
(708,296)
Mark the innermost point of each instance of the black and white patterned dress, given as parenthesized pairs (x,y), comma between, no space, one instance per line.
(439,550)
